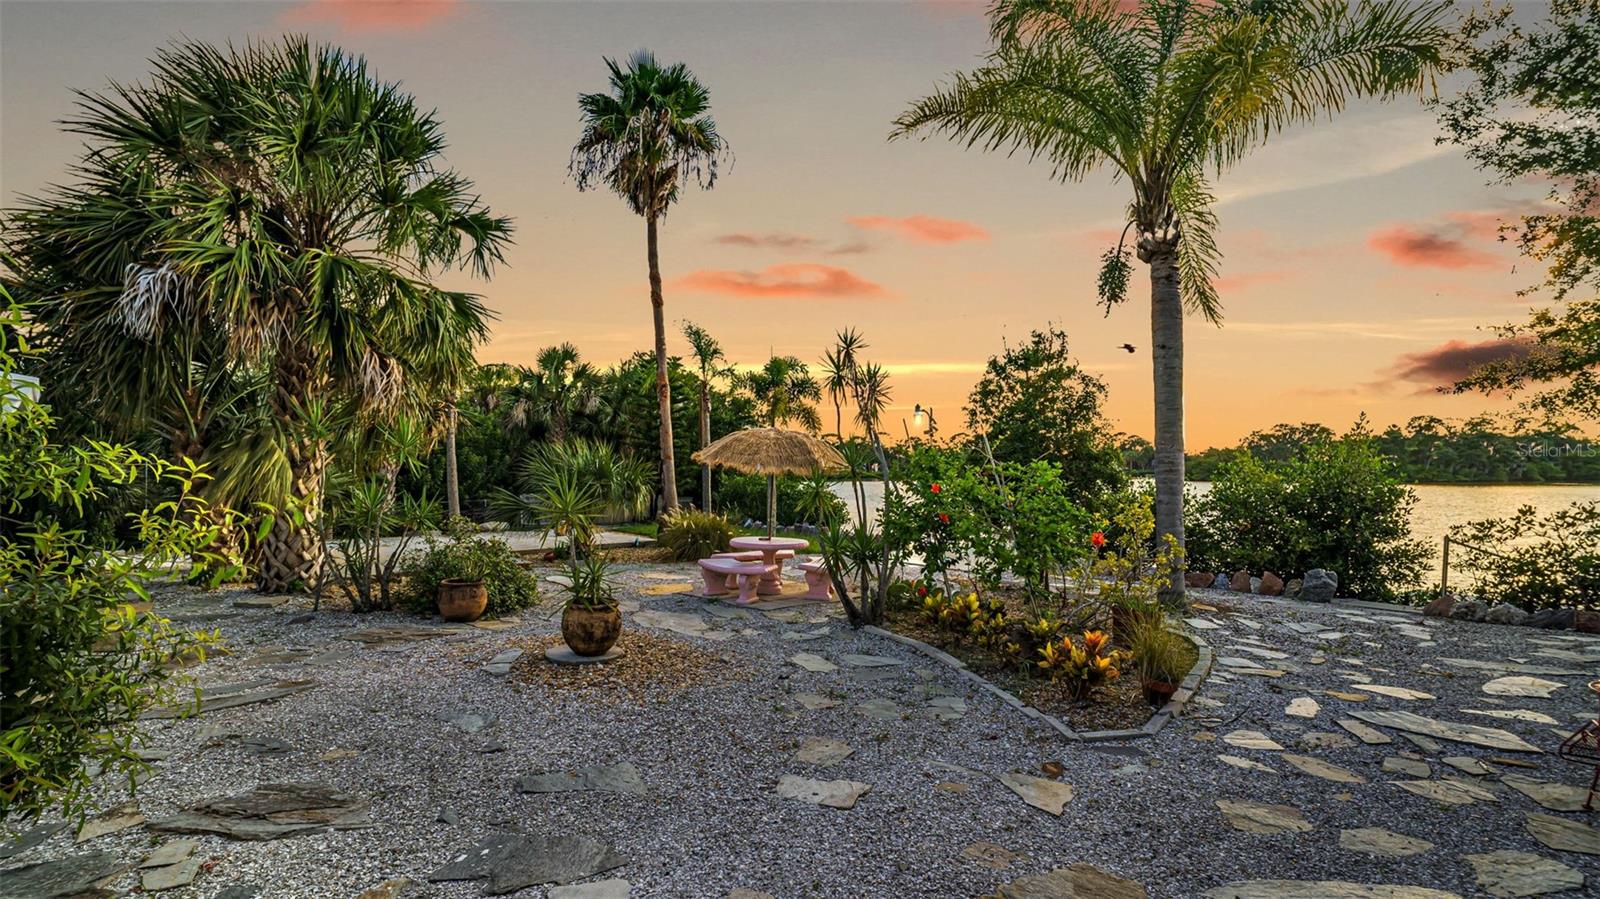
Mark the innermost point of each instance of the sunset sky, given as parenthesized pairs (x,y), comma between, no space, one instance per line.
(1361,257)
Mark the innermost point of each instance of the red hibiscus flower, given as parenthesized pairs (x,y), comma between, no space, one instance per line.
(1098,539)
(934,488)
(922,590)
(943,518)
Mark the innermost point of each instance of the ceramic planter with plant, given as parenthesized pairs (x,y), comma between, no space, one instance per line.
(1159,655)
(591,622)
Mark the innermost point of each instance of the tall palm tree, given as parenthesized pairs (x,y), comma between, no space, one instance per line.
(784,391)
(282,197)
(565,388)
(838,363)
(710,364)
(643,139)
(1166,95)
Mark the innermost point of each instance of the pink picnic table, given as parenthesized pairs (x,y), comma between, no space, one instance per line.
(769,548)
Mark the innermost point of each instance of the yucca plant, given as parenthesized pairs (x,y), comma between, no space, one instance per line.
(592,585)
(690,534)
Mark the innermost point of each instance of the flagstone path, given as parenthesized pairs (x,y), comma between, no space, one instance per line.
(1337,750)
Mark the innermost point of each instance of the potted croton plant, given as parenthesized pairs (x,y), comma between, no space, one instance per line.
(591,621)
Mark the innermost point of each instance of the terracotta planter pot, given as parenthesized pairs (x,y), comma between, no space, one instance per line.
(591,632)
(462,600)
(1157,692)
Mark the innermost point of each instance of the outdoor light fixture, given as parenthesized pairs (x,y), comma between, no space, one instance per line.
(919,417)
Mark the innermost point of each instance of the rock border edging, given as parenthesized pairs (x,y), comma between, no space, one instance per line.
(1187,688)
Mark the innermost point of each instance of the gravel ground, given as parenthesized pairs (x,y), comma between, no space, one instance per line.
(712,752)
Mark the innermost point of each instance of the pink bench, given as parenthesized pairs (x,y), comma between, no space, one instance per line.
(819,585)
(719,571)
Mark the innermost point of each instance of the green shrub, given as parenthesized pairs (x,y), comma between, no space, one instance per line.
(744,496)
(470,556)
(79,665)
(1535,562)
(690,534)
(1337,504)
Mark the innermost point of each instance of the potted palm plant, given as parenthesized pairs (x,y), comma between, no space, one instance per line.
(1158,656)
(591,621)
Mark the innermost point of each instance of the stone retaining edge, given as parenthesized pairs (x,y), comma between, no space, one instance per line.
(1174,707)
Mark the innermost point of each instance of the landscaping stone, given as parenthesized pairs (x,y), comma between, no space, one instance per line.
(511,862)
(1240,582)
(1586,621)
(1381,842)
(120,817)
(1246,764)
(685,623)
(171,877)
(65,878)
(1469,610)
(1251,739)
(1509,873)
(1079,881)
(1409,767)
(1551,619)
(1405,693)
(170,853)
(1258,817)
(1466,764)
(1440,606)
(1513,715)
(270,811)
(619,778)
(470,722)
(880,710)
(612,888)
(1506,613)
(1557,797)
(1220,583)
(840,794)
(1489,737)
(857,660)
(990,855)
(1447,791)
(1318,739)
(1045,795)
(1365,734)
(1522,685)
(814,702)
(1294,588)
(1323,889)
(1325,770)
(1302,707)
(28,839)
(389,889)
(1255,585)
(1199,580)
(1319,585)
(392,636)
(1270,584)
(823,751)
(1564,835)
(500,665)
(813,663)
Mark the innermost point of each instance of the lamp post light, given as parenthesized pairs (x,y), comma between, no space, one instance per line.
(924,420)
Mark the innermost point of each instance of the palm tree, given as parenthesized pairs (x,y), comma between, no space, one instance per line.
(564,387)
(837,364)
(281,197)
(643,140)
(1166,94)
(709,359)
(784,391)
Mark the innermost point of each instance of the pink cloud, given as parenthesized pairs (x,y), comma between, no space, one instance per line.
(372,15)
(921,228)
(1454,243)
(795,279)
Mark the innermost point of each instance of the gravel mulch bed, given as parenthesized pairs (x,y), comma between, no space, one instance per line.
(438,745)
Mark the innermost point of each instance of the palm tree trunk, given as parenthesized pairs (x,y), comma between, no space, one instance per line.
(705,438)
(292,555)
(452,483)
(669,468)
(1166,338)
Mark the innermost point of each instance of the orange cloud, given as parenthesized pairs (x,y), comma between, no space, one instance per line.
(1246,280)
(796,279)
(372,15)
(1450,244)
(921,228)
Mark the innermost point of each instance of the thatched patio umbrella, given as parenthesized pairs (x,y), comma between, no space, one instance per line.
(770,451)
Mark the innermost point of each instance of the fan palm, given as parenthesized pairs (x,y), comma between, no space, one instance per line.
(282,198)
(784,391)
(1165,95)
(710,364)
(644,139)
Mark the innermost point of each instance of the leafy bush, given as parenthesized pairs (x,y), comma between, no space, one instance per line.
(1536,562)
(1084,665)
(469,556)
(690,534)
(744,496)
(1337,504)
(80,664)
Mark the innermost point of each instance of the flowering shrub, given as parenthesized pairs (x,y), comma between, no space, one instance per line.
(1082,666)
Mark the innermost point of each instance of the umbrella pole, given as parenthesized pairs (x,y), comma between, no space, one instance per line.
(772,506)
